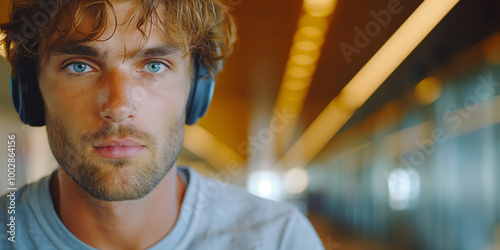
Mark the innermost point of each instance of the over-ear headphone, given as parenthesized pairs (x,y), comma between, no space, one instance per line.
(29,104)
(201,92)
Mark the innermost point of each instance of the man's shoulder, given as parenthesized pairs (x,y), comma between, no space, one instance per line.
(17,212)
(23,193)
(242,201)
(15,199)
(231,200)
(234,216)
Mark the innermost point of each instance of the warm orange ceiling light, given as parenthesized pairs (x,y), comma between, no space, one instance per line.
(309,31)
(320,8)
(366,81)
(428,90)
(303,59)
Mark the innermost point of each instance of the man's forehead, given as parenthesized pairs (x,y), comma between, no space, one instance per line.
(123,41)
(121,26)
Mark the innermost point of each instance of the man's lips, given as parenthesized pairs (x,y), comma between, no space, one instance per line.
(117,149)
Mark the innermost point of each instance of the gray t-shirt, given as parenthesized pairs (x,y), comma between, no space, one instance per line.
(214,215)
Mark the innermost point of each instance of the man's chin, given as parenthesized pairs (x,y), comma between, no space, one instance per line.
(120,180)
(119,163)
(105,162)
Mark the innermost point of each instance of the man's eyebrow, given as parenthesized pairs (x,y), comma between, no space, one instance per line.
(85,50)
(82,50)
(163,50)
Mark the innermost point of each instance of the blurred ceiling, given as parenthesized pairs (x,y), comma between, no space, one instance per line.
(247,89)
(266,28)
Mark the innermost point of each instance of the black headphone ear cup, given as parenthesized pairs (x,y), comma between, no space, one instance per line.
(26,93)
(15,92)
(200,94)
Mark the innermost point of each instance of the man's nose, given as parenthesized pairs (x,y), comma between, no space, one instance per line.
(115,101)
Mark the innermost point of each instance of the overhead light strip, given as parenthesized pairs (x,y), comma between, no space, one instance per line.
(366,81)
(210,149)
(303,59)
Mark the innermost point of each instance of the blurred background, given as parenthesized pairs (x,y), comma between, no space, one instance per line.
(378,119)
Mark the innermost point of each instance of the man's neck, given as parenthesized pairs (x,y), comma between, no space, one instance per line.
(136,224)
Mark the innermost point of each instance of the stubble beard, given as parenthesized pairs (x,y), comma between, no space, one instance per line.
(114,179)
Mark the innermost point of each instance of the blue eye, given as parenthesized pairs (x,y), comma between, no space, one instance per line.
(78,67)
(155,67)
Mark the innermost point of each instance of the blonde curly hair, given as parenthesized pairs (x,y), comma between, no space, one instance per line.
(201,27)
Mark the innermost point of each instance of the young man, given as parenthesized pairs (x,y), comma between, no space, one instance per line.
(114,82)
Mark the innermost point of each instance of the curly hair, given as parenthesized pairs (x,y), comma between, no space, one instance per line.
(202,27)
